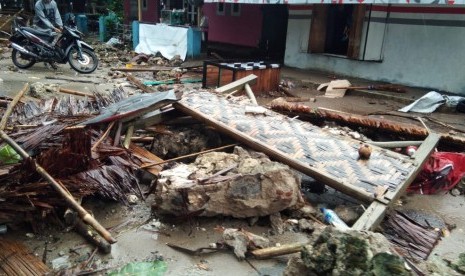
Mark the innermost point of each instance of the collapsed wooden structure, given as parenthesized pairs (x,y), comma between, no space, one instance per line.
(331,160)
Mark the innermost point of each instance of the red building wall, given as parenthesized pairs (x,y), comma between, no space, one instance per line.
(244,30)
(149,15)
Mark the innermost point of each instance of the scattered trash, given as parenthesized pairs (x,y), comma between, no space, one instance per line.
(429,102)
(331,92)
(442,172)
(155,268)
(332,218)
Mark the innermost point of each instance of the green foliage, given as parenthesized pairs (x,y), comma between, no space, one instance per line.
(116,6)
(111,21)
(8,155)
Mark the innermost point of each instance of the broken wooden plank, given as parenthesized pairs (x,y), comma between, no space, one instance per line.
(139,84)
(142,69)
(147,158)
(375,213)
(77,93)
(17,259)
(237,85)
(83,80)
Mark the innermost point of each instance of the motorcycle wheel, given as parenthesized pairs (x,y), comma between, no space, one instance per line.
(89,61)
(20,61)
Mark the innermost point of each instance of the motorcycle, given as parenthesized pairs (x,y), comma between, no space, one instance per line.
(31,45)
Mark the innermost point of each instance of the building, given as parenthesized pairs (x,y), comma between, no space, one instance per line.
(417,43)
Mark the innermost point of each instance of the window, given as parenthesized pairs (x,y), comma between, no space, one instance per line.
(144,5)
(236,9)
(220,8)
(336,29)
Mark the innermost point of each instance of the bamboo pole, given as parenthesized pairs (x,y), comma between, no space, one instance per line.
(270,252)
(186,156)
(12,105)
(85,216)
(77,93)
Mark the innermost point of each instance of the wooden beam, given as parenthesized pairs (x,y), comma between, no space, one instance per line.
(142,69)
(373,216)
(329,180)
(237,85)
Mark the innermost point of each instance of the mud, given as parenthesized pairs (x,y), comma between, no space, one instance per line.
(136,243)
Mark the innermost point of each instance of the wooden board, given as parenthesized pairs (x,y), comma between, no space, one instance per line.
(330,159)
(16,259)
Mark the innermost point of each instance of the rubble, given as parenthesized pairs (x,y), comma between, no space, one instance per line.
(243,241)
(252,186)
(347,253)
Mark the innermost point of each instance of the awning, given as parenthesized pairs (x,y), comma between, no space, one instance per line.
(304,2)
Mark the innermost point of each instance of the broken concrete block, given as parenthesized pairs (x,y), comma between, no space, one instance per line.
(250,186)
(242,241)
(351,253)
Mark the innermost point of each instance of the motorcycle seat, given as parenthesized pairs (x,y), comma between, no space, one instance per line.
(46,34)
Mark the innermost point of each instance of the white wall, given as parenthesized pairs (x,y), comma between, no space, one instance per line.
(416,54)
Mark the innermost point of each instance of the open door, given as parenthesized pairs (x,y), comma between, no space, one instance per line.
(336,29)
(316,43)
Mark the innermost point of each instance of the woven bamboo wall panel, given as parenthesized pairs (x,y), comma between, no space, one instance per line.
(311,145)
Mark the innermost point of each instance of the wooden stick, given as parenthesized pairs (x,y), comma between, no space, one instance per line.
(104,136)
(12,105)
(270,252)
(138,84)
(74,92)
(86,217)
(250,93)
(189,155)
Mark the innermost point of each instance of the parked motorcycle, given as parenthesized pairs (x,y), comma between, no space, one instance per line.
(31,45)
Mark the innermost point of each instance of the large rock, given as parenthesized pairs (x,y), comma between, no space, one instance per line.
(252,186)
(349,253)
